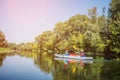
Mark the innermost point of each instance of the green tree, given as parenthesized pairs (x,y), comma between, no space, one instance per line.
(44,40)
(114,27)
(103,29)
(79,31)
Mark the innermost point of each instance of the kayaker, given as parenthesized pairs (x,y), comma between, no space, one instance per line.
(82,54)
(66,52)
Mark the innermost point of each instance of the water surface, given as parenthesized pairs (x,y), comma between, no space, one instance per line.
(33,66)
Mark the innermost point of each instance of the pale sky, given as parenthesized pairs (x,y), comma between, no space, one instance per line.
(23,20)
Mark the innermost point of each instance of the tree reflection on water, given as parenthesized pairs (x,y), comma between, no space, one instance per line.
(67,69)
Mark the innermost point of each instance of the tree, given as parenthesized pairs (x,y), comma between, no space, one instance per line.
(3,42)
(93,14)
(12,45)
(114,26)
(79,31)
(44,40)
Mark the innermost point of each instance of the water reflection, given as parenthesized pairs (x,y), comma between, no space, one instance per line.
(71,69)
(19,67)
(39,66)
(2,57)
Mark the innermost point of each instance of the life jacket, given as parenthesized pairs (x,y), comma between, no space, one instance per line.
(82,54)
(72,54)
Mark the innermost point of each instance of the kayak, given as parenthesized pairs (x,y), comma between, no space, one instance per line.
(72,57)
(74,60)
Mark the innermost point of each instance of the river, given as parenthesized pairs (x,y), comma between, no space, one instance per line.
(35,66)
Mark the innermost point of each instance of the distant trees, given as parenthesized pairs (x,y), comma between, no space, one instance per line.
(29,46)
(12,46)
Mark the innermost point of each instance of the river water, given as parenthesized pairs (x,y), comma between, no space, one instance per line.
(34,66)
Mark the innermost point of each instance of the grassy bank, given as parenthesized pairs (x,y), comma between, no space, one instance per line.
(5,50)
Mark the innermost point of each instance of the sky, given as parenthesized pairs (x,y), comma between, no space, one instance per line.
(23,20)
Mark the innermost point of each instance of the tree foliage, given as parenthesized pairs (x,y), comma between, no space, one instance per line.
(79,31)
(93,33)
(114,26)
(3,42)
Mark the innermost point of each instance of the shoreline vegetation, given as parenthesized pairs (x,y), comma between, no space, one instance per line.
(6,50)
(10,51)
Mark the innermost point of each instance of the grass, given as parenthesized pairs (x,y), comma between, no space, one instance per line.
(5,50)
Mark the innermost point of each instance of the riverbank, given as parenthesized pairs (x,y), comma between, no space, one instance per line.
(6,50)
